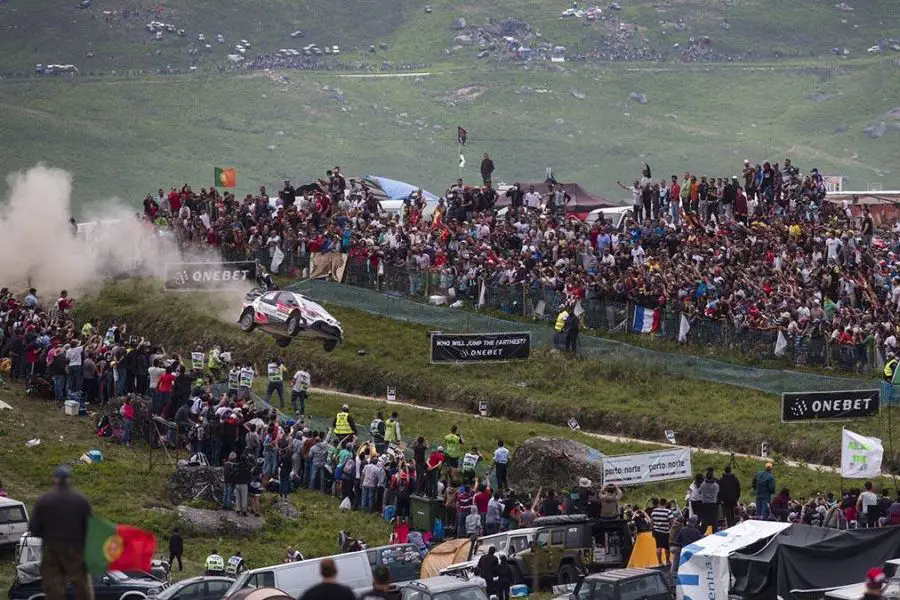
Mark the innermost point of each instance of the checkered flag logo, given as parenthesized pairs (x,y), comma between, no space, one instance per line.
(180,279)
(798,408)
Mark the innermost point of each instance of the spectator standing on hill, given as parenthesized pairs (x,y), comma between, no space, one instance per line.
(661,521)
(60,519)
(176,549)
(729,495)
(487,169)
(709,496)
(501,464)
(764,488)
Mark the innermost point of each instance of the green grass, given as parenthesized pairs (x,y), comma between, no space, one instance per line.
(124,489)
(612,397)
(189,124)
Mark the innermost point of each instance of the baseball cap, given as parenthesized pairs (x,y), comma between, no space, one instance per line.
(63,472)
(440,448)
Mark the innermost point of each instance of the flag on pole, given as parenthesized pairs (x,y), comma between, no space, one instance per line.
(861,455)
(226,177)
(683,329)
(461,135)
(462,161)
(780,345)
(645,320)
(111,547)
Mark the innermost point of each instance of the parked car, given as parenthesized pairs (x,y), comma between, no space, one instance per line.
(568,547)
(197,588)
(507,543)
(13,521)
(113,585)
(622,584)
(353,570)
(442,587)
(287,315)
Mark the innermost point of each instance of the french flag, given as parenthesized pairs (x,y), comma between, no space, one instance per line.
(645,320)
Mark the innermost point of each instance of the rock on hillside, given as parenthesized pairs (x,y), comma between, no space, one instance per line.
(193,482)
(551,462)
(217,522)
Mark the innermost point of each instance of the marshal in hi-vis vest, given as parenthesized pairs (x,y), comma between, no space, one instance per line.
(342,424)
(274,370)
(234,376)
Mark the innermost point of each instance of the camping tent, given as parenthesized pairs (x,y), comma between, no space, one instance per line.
(811,558)
(444,555)
(397,190)
(582,201)
(703,565)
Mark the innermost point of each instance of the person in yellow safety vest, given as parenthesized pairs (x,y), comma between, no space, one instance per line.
(561,319)
(215,564)
(452,442)
(392,429)
(343,424)
(890,368)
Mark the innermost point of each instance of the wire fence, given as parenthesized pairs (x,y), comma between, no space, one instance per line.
(386,293)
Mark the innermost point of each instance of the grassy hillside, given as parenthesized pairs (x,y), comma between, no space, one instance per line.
(126,137)
(610,397)
(42,31)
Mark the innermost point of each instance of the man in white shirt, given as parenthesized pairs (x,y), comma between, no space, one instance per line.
(532,199)
(637,255)
(75,367)
(501,464)
(299,391)
(867,507)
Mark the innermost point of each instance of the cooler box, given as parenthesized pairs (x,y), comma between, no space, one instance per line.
(72,407)
(95,456)
(424,511)
(518,591)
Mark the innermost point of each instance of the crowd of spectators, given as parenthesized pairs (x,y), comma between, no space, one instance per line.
(760,250)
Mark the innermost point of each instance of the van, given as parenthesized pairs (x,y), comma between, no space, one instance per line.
(295,578)
(13,521)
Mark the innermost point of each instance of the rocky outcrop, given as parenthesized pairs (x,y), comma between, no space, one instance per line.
(552,462)
(211,523)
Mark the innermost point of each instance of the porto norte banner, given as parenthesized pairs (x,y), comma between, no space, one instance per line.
(208,276)
(829,406)
(647,467)
(479,347)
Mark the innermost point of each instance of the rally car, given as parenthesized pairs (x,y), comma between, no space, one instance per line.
(286,315)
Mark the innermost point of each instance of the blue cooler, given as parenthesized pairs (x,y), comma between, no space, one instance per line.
(518,591)
(95,456)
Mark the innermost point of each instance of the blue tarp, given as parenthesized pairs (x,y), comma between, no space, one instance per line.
(400,190)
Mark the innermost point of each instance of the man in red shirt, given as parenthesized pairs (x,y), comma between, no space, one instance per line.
(481,500)
(433,467)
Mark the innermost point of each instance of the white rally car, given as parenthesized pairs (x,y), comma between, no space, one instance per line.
(287,315)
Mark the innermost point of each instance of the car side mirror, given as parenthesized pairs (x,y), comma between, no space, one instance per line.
(105,580)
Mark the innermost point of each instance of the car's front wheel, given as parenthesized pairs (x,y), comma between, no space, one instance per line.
(246,321)
(294,324)
(567,574)
(330,345)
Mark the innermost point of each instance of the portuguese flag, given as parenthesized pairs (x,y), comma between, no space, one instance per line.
(226,177)
(111,547)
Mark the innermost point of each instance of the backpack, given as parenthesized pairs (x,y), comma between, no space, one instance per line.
(349,466)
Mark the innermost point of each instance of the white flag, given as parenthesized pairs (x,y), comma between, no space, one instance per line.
(481,295)
(277,259)
(578,309)
(879,360)
(780,345)
(860,456)
(462,161)
(683,328)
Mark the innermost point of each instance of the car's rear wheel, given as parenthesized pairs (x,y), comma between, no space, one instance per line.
(294,324)
(246,321)
(330,345)
(567,574)
(282,341)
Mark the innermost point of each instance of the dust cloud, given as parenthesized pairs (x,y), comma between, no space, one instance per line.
(40,248)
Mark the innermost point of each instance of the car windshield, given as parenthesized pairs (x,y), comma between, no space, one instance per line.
(468,593)
(239,583)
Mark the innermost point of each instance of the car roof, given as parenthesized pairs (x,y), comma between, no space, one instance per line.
(201,578)
(619,574)
(441,583)
(10,502)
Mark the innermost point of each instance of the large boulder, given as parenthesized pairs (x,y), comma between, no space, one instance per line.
(193,482)
(553,463)
(213,523)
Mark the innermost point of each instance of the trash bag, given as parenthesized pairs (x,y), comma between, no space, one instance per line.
(345,504)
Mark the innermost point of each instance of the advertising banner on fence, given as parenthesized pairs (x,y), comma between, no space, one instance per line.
(703,570)
(829,406)
(647,467)
(479,347)
(208,276)
(861,456)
